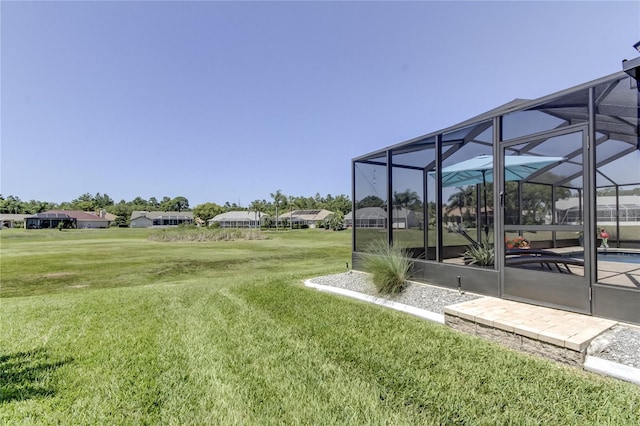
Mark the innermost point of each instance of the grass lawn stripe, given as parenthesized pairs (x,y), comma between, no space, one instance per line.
(225,333)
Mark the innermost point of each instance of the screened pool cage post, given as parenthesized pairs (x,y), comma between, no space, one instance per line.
(389,197)
(478,210)
(486,215)
(425,212)
(438,188)
(554,219)
(618,215)
(354,217)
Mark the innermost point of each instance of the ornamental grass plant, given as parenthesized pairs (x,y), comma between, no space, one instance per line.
(481,255)
(389,265)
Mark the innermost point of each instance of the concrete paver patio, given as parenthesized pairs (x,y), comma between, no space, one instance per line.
(562,335)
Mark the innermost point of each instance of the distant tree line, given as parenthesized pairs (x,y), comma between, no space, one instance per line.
(612,192)
(279,203)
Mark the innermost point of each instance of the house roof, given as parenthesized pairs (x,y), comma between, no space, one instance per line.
(307,215)
(13,217)
(49,215)
(107,215)
(141,218)
(159,214)
(240,215)
(368,213)
(79,215)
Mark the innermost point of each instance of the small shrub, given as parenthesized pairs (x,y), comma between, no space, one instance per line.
(205,234)
(187,226)
(390,267)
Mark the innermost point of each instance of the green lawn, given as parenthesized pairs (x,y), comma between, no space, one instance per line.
(108,327)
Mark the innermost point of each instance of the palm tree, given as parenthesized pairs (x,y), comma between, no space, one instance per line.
(278,197)
(292,201)
(256,206)
(404,199)
(461,199)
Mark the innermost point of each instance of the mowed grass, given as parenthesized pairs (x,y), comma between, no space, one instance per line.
(108,327)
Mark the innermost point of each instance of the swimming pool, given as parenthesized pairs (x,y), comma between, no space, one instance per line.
(612,256)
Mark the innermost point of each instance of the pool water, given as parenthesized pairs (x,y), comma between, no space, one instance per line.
(613,256)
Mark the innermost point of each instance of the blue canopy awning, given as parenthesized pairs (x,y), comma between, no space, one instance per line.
(480,169)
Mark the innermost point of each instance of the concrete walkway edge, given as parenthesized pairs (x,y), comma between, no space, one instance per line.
(431,316)
(592,363)
(613,369)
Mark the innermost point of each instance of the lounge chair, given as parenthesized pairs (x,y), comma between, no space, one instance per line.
(545,260)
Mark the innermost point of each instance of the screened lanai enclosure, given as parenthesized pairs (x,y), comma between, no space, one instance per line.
(536,201)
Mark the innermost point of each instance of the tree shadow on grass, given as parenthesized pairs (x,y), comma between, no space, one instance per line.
(25,375)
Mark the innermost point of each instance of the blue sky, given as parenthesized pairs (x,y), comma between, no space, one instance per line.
(231,101)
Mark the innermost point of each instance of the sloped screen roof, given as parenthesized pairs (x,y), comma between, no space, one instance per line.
(616,100)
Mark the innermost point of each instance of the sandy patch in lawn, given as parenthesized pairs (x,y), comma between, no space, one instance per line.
(58,274)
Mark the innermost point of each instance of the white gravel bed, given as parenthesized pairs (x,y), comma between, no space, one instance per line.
(430,298)
(621,344)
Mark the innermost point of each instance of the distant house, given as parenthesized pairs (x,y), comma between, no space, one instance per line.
(145,219)
(376,217)
(8,220)
(404,218)
(310,218)
(625,209)
(459,215)
(70,218)
(367,217)
(238,219)
(106,215)
(49,220)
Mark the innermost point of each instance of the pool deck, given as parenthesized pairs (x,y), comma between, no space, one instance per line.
(614,273)
(619,273)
